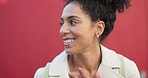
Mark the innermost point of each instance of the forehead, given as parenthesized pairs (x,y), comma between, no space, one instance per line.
(73,9)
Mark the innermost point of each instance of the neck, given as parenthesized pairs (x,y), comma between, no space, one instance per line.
(89,60)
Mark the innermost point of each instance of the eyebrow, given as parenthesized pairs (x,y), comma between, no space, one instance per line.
(71,17)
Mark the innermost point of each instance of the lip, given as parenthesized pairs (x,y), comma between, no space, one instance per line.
(68,41)
(66,38)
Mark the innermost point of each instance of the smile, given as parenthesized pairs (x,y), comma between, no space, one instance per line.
(68,41)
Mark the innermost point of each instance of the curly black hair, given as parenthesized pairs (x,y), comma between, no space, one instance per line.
(104,10)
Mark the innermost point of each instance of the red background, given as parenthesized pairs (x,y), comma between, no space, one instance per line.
(29,35)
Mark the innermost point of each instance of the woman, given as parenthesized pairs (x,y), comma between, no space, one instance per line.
(84,24)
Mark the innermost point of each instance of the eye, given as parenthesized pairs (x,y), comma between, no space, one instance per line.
(61,22)
(73,22)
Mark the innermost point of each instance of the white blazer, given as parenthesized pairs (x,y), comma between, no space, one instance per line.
(109,67)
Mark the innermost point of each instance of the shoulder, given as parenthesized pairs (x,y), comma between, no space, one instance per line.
(131,69)
(44,71)
(41,71)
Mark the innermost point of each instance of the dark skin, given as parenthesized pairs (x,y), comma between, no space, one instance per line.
(83,74)
(80,45)
(79,72)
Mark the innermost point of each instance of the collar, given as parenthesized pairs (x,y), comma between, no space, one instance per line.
(59,66)
(110,57)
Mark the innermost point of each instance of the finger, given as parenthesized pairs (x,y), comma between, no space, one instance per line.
(97,75)
(83,73)
(72,75)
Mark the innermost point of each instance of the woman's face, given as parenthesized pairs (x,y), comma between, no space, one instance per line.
(77,30)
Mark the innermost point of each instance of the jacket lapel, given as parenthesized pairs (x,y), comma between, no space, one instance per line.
(108,68)
(110,64)
(107,72)
(58,68)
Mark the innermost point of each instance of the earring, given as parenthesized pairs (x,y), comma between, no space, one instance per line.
(98,36)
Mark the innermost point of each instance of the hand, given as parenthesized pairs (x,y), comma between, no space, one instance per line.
(83,74)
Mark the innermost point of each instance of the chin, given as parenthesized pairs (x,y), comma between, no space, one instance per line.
(69,52)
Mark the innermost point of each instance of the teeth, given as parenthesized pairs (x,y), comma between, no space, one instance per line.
(70,40)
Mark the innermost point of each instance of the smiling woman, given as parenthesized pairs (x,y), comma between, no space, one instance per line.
(75,25)
(84,24)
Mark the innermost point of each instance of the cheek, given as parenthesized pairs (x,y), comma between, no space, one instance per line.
(60,32)
(76,31)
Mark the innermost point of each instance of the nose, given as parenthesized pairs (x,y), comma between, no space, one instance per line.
(64,30)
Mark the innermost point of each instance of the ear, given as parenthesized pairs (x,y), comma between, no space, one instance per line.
(99,26)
